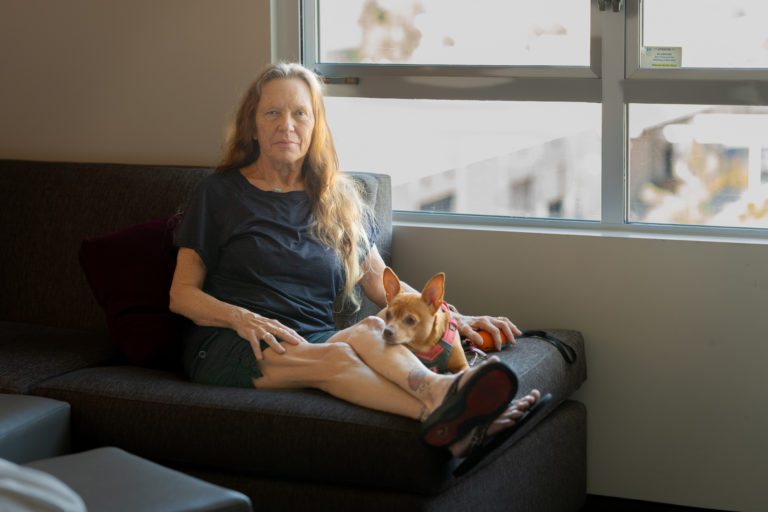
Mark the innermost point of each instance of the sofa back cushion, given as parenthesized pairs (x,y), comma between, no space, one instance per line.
(50,208)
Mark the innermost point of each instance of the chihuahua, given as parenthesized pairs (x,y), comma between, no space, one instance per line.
(423,323)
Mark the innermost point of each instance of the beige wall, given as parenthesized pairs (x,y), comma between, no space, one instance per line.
(676,330)
(676,337)
(139,81)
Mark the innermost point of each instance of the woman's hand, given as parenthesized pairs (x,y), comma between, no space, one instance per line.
(189,299)
(493,325)
(255,328)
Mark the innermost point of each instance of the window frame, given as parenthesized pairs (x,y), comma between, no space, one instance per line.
(613,79)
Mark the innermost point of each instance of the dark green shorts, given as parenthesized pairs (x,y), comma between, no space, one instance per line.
(214,355)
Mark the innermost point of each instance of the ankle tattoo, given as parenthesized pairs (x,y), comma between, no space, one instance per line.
(417,380)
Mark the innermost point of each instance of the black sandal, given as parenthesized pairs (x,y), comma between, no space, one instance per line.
(479,452)
(484,396)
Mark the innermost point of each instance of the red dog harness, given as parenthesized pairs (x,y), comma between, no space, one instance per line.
(436,358)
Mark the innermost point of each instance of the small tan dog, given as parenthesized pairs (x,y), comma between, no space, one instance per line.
(423,323)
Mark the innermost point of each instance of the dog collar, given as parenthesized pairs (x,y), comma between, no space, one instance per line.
(453,325)
(436,358)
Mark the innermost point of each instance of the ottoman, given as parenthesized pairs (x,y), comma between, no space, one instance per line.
(32,427)
(110,479)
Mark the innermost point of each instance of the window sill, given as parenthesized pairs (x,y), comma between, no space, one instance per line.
(708,234)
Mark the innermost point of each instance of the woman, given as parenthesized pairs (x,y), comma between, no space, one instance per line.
(267,244)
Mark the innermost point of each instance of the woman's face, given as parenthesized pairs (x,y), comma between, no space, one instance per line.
(285,121)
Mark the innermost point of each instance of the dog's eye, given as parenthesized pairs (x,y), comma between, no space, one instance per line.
(410,320)
(388,315)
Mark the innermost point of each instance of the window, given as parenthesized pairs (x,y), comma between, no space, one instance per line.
(453,32)
(721,34)
(474,151)
(639,116)
(696,127)
(698,164)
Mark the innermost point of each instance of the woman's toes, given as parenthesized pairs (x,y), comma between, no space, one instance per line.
(528,400)
(511,413)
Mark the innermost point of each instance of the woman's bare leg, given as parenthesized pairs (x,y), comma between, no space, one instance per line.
(336,369)
(395,362)
(356,365)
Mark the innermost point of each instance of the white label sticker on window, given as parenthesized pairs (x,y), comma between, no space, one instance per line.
(661,57)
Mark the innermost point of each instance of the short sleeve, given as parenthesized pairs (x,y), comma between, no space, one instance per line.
(198,229)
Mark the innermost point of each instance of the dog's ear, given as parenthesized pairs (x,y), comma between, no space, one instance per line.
(433,292)
(391,284)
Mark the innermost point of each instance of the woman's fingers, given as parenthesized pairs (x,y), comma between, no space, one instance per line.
(509,329)
(256,329)
(270,332)
(270,340)
(496,326)
(255,346)
(287,334)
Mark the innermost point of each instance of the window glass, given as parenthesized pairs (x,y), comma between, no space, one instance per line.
(526,159)
(705,33)
(460,32)
(699,165)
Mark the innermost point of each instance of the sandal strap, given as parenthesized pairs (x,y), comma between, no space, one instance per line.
(451,390)
(454,387)
(478,437)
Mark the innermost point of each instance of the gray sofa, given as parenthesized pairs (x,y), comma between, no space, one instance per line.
(62,338)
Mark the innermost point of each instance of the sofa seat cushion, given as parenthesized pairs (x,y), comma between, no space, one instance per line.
(30,354)
(298,434)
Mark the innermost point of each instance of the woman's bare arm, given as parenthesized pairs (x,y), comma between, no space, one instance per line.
(372,282)
(187,298)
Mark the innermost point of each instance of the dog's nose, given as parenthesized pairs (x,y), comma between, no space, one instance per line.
(389,335)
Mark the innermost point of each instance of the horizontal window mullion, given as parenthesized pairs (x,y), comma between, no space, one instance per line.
(374,70)
(695,92)
(473,88)
(716,75)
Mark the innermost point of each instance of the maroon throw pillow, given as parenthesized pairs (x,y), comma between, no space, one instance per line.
(130,273)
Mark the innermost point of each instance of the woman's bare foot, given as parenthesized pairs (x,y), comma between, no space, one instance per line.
(506,419)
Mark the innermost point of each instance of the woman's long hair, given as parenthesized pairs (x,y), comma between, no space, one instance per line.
(340,214)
